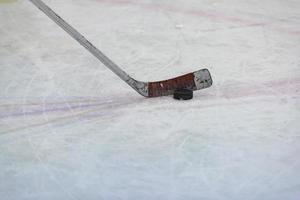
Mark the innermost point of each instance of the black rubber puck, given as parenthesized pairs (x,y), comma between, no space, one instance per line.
(184,94)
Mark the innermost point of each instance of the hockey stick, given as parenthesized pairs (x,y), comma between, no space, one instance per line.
(194,81)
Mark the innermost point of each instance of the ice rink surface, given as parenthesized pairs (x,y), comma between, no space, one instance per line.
(70,129)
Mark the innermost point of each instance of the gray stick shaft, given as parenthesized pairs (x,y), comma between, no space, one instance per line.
(84,42)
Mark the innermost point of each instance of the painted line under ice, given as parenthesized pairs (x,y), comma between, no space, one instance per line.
(230,90)
(216,16)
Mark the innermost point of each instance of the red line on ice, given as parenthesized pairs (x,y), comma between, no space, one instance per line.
(214,16)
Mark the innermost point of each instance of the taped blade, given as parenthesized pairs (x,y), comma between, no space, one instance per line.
(194,81)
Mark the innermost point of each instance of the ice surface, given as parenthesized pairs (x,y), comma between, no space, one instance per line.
(70,129)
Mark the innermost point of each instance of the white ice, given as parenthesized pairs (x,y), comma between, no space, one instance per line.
(71,129)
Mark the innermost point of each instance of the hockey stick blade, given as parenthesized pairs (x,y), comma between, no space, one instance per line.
(194,81)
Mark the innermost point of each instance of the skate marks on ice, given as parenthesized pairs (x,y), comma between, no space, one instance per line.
(235,89)
(244,20)
(231,93)
(36,113)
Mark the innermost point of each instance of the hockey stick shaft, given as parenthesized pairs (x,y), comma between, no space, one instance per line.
(82,40)
(195,81)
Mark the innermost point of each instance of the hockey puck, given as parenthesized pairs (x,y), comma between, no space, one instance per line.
(184,94)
